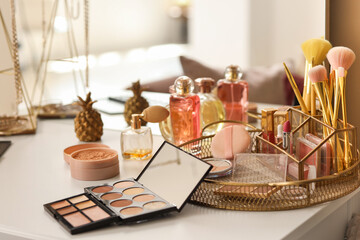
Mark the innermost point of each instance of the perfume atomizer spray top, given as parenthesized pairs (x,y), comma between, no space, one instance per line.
(183,85)
(153,114)
(205,84)
(233,73)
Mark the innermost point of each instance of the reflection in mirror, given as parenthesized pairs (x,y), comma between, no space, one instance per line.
(173,174)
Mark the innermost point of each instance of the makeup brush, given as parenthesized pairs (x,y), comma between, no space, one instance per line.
(318,77)
(315,51)
(342,73)
(339,57)
(295,89)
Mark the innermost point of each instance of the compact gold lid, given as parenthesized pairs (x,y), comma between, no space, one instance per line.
(233,73)
(183,85)
(205,84)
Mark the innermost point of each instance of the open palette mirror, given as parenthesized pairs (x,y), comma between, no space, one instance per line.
(164,186)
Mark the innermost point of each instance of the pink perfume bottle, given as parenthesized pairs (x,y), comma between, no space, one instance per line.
(233,93)
(184,111)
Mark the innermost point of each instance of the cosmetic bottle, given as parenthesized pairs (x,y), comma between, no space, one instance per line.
(184,111)
(233,93)
(267,125)
(136,141)
(211,108)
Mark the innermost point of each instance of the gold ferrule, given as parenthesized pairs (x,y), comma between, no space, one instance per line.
(136,121)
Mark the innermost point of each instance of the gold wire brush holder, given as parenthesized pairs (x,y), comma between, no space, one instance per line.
(228,193)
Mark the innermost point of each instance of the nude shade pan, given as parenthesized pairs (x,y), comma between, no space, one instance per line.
(80,213)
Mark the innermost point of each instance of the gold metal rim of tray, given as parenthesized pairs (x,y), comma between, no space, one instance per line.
(270,196)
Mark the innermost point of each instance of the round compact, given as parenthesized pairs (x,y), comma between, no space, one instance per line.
(221,167)
(93,164)
(69,150)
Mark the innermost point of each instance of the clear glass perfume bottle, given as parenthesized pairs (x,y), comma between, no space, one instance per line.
(211,108)
(233,93)
(184,111)
(136,141)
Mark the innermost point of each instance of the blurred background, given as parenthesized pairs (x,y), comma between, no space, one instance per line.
(143,39)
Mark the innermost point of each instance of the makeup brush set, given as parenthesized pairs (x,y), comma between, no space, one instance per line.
(329,90)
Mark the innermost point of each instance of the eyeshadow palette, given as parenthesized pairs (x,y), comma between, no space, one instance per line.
(80,213)
(164,186)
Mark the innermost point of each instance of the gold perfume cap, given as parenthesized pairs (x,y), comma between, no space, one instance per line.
(183,85)
(233,73)
(205,84)
(136,121)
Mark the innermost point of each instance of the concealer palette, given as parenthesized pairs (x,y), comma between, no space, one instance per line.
(164,186)
(130,200)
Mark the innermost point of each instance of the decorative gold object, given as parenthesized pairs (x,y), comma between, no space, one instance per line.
(16,124)
(72,12)
(135,104)
(227,193)
(88,123)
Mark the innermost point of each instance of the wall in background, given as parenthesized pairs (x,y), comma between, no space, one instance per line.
(254,32)
(344,22)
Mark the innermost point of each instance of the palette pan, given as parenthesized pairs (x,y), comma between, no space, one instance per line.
(131,200)
(80,213)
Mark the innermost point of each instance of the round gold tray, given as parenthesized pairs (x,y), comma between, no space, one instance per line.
(225,193)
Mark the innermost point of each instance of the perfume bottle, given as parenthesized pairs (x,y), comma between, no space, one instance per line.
(211,108)
(136,141)
(233,93)
(165,126)
(184,111)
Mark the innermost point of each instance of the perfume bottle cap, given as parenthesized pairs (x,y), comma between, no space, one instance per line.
(183,85)
(136,121)
(205,84)
(233,73)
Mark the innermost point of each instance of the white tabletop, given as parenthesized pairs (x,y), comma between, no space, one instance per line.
(33,172)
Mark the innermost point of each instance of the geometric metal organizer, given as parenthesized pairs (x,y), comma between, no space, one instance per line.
(228,193)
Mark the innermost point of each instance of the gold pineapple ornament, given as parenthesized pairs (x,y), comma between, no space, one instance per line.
(88,123)
(135,104)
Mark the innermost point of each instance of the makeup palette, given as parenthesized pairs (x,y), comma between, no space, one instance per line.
(221,167)
(164,186)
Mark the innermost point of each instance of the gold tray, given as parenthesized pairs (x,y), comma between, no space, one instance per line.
(225,193)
